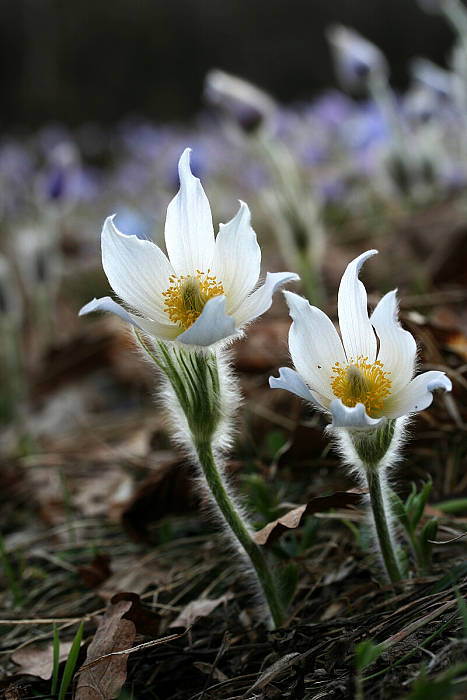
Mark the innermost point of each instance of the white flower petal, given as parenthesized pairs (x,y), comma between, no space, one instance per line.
(351,417)
(107,304)
(417,395)
(189,235)
(137,270)
(158,330)
(261,299)
(212,325)
(237,258)
(357,332)
(397,347)
(291,381)
(314,344)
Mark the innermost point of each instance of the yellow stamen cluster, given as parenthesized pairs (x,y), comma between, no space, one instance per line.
(362,382)
(187,295)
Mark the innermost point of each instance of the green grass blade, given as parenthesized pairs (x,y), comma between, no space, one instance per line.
(56,660)
(71,663)
(456,505)
(462,605)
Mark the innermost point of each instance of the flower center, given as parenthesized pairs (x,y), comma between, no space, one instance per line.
(187,296)
(361,382)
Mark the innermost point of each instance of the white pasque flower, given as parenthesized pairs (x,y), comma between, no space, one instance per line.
(367,376)
(205,291)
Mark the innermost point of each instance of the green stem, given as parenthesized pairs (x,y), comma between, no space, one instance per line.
(422,564)
(381,524)
(233,519)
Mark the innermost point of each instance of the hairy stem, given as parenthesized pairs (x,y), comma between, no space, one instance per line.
(381,524)
(240,531)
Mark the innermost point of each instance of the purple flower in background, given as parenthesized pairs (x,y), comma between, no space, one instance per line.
(131,223)
(332,109)
(366,128)
(331,189)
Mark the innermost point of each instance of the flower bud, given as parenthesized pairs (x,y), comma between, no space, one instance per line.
(372,445)
(356,58)
(243,102)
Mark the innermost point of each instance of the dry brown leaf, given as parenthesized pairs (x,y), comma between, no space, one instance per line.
(292,519)
(38,661)
(146,621)
(105,679)
(95,573)
(198,608)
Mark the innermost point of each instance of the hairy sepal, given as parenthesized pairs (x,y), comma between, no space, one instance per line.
(378,448)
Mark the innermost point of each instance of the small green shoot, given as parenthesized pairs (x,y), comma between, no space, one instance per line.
(366,653)
(68,505)
(275,441)
(15,585)
(442,687)
(288,581)
(456,505)
(361,534)
(70,663)
(462,605)
(409,515)
(56,661)
(262,499)
(310,530)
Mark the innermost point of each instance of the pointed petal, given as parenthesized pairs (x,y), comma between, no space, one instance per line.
(138,271)
(417,395)
(158,330)
(261,299)
(108,304)
(291,381)
(314,344)
(397,347)
(354,417)
(237,258)
(357,332)
(189,235)
(211,326)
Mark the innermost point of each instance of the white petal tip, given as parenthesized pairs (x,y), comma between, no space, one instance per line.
(109,228)
(295,301)
(184,167)
(88,308)
(354,417)
(441,382)
(363,257)
(291,381)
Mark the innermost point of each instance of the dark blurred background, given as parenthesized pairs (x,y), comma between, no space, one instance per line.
(80,60)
